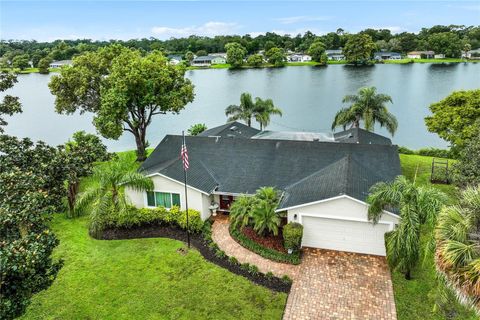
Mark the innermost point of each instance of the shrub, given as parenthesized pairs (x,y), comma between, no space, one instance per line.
(195,222)
(252,269)
(233,260)
(286,279)
(261,250)
(429,152)
(270,275)
(220,254)
(245,266)
(292,235)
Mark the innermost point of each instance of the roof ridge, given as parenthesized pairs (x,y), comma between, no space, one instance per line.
(314,174)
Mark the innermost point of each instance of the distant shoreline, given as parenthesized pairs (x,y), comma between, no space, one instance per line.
(289,64)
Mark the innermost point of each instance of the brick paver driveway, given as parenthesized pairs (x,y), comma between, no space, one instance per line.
(327,284)
(341,285)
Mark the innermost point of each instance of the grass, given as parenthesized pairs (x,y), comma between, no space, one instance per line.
(28,70)
(144,279)
(415,299)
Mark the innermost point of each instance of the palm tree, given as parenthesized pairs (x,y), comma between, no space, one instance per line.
(265,218)
(417,206)
(263,110)
(245,111)
(369,107)
(105,197)
(458,245)
(241,211)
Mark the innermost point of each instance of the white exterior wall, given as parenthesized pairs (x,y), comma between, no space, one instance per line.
(347,220)
(196,199)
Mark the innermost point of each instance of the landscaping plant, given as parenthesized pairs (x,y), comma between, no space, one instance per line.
(292,236)
(417,205)
(105,197)
(265,218)
(457,251)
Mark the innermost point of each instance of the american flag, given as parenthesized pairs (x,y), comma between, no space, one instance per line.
(184,155)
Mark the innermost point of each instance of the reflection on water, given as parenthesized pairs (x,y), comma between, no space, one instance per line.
(308,96)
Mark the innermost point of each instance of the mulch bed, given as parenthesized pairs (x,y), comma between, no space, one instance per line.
(269,241)
(197,241)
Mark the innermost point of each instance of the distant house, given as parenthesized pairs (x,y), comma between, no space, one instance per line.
(174,59)
(206,61)
(298,57)
(384,55)
(421,55)
(61,63)
(219,54)
(472,54)
(336,54)
(219,60)
(439,56)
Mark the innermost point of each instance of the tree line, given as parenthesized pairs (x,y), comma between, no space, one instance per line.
(449,40)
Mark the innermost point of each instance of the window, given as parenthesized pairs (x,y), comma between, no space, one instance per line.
(163,199)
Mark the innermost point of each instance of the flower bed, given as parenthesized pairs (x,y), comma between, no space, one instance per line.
(270,241)
(204,244)
(265,252)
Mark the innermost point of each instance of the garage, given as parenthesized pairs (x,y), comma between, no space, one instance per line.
(341,223)
(344,235)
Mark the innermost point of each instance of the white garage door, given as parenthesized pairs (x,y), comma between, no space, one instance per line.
(344,235)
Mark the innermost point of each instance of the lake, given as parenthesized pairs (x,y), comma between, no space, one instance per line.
(308,96)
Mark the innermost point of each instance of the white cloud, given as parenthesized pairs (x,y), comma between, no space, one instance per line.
(297,19)
(211,28)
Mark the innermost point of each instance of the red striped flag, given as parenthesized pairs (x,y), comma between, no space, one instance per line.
(184,155)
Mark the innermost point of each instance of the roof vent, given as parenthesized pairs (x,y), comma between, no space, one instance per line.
(316,139)
(233,128)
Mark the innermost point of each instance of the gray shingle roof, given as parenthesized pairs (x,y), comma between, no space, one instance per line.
(357,135)
(306,171)
(233,129)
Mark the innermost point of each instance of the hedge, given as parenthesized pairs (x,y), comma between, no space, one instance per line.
(429,152)
(268,253)
(174,216)
(292,235)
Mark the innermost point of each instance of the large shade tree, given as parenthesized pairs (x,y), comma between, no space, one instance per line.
(368,107)
(359,48)
(31,188)
(10,104)
(123,89)
(455,118)
(417,207)
(458,241)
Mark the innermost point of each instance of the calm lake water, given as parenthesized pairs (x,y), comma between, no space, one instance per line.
(308,96)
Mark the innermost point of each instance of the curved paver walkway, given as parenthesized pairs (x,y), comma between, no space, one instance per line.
(327,285)
(225,242)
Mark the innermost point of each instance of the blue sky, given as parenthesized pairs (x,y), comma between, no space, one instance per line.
(103,20)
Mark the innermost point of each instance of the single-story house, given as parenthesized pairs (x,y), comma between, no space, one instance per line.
(472,54)
(336,54)
(174,59)
(439,56)
(324,182)
(384,55)
(421,55)
(297,57)
(206,61)
(61,63)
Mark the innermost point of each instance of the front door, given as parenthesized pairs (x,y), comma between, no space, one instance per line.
(225,202)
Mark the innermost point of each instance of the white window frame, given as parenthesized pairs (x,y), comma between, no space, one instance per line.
(145,197)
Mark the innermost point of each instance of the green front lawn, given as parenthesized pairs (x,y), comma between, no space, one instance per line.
(144,279)
(415,299)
